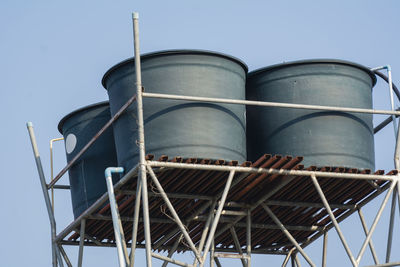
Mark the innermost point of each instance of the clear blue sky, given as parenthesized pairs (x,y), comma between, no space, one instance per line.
(53,55)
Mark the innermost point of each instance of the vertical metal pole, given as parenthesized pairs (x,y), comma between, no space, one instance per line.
(135,222)
(333,219)
(142,158)
(325,249)
(248,233)
(81,242)
(217,215)
(50,213)
(371,246)
(118,231)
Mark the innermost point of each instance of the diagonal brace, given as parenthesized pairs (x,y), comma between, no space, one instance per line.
(288,235)
(333,219)
(173,212)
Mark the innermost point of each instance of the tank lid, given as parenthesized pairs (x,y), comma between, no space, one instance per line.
(173,52)
(313,61)
(69,115)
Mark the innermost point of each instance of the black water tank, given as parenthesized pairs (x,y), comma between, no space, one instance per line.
(324,138)
(181,128)
(86,176)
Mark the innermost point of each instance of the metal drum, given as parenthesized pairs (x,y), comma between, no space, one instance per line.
(324,138)
(86,177)
(175,127)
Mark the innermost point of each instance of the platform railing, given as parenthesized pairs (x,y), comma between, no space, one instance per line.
(209,233)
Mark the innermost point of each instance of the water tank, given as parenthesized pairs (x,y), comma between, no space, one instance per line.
(86,176)
(324,138)
(181,128)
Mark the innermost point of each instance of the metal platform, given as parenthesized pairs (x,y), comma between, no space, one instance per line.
(274,204)
(293,200)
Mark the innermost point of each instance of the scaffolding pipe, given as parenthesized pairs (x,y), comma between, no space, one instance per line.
(135,223)
(287,258)
(297,261)
(51,168)
(217,216)
(99,202)
(64,255)
(371,246)
(81,242)
(333,219)
(237,245)
(118,231)
(174,213)
(391,226)
(376,220)
(248,234)
(269,104)
(141,141)
(173,249)
(324,249)
(390,83)
(43,184)
(91,142)
(272,171)
(205,230)
(288,235)
(385,264)
(160,257)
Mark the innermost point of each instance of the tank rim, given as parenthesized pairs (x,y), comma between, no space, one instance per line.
(312,61)
(69,115)
(173,52)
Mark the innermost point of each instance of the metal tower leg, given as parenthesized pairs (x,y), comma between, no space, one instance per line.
(325,249)
(55,253)
(81,242)
(140,122)
(248,241)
